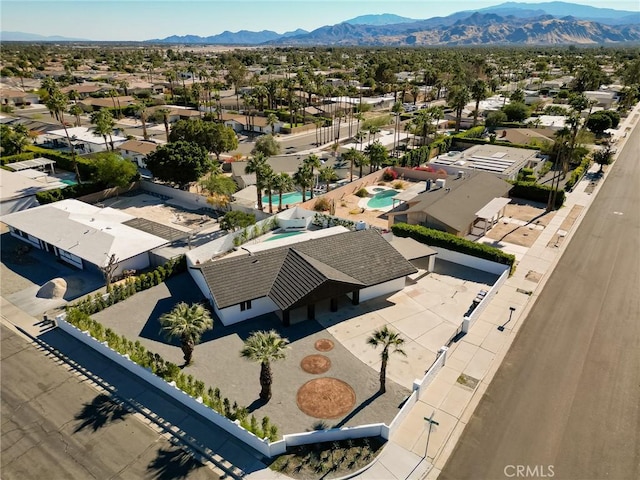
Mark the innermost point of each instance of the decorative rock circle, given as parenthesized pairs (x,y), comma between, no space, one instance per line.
(315,364)
(324,345)
(326,398)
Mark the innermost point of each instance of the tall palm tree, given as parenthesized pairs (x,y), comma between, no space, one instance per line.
(361,160)
(303,178)
(76,111)
(397,109)
(265,347)
(57,103)
(350,156)
(103,125)
(272,119)
(282,183)
(188,323)
(141,110)
(267,177)
(256,164)
(312,162)
(478,93)
(458,96)
(165,112)
(391,342)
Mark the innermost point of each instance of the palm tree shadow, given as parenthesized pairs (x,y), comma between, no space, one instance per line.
(358,409)
(102,410)
(173,463)
(256,404)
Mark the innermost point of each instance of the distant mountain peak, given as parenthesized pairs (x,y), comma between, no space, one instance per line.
(379,19)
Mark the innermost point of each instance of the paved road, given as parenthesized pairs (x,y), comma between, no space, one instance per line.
(567,395)
(55,426)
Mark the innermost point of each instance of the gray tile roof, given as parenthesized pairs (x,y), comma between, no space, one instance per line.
(457,207)
(288,274)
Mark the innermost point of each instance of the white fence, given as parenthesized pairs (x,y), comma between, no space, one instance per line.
(269,449)
(469,320)
(471,261)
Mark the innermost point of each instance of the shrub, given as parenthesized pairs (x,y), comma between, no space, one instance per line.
(577,174)
(437,238)
(389,175)
(362,193)
(535,192)
(18,157)
(321,205)
(398,185)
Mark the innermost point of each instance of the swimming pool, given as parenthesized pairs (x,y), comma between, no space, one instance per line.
(69,182)
(283,235)
(382,199)
(287,198)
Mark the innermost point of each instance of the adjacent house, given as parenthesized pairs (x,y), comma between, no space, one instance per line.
(285,279)
(254,123)
(84,139)
(137,151)
(18,189)
(84,90)
(17,98)
(605,99)
(452,205)
(86,236)
(93,104)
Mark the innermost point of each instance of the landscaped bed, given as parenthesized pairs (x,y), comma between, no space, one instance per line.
(328,460)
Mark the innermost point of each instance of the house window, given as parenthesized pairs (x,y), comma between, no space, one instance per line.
(245,305)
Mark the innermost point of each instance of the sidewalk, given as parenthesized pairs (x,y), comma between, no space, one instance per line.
(478,354)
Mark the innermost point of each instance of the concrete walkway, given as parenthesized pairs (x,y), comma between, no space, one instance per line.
(478,355)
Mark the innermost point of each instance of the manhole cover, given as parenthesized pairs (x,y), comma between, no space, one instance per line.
(315,364)
(326,398)
(324,345)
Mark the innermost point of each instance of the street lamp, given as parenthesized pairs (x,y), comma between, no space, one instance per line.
(431,423)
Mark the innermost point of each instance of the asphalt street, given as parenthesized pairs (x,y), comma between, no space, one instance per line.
(55,426)
(565,402)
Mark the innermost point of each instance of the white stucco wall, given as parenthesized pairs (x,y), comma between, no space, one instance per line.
(381,289)
(198,277)
(233,314)
(139,262)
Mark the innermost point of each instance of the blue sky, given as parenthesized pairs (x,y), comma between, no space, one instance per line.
(146,19)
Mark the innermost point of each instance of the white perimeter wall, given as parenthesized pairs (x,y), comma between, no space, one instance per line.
(471,261)
(139,262)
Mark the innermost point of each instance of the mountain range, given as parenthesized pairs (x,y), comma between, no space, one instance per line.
(546,23)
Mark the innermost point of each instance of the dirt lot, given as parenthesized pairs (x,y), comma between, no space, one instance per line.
(521,225)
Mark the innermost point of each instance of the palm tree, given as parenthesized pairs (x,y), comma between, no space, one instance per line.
(265,347)
(361,161)
(272,119)
(256,164)
(141,110)
(165,112)
(312,162)
(104,123)
(327,175)
(351,156)
(478,93)
(303,178)
(282,183)
(397,109)
(458,96)
(267,177)
(188,323)
(76,111)
(377,154)
(388,339)
(57,103)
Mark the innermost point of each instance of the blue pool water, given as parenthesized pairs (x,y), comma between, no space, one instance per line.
(382,200)
(283,235)
(69,182)
(287,198)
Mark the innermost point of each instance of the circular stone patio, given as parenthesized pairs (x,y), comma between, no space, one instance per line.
(326,398)
(315,364)
(324,345)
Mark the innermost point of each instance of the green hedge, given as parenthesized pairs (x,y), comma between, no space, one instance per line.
(436,238)
(171,372)
(414,158)
(536,193)
(577,173)
(72,191)
(475,132)
(64,161)
(18,157)
(482,141)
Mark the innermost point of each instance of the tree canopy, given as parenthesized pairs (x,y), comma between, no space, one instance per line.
(113,170)
(13,140)
(214,137)
(236,219)
(179,162)
(516,112)
(266,145)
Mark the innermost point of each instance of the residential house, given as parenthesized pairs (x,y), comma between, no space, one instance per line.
(452,205)
(18,189)
(84,90)
(17,98)
(137,151)
(94,104)
(525,136)
(86,236)
(249,123)
(84,139)
(291,279)
(606,99)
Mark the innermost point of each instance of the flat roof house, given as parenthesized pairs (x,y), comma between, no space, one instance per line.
(360,265)
(18,189)
(84,139)
(84,236)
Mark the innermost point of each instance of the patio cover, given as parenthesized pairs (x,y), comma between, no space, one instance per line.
(489,211)
(35,163)
(411,249)
(31,173)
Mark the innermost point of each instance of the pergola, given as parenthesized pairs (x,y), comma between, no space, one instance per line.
(492,212)
(37,163)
